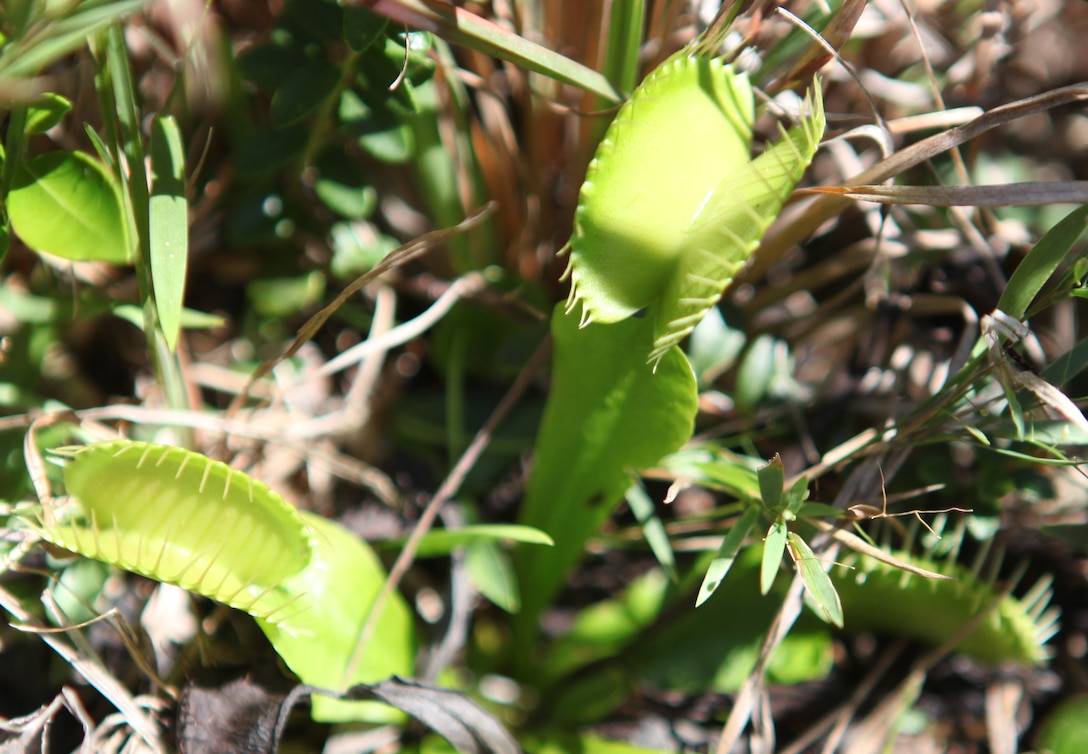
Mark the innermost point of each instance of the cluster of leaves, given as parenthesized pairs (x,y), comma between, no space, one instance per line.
(339,132)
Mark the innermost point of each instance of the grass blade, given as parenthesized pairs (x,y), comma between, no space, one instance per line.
(169,225)
(458,26)
(1040,264)
(727,553)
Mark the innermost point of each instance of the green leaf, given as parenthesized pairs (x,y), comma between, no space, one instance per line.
(652,528)
(46,113)
(460,27)
(441,542)
(334,595)
(321,20)
(796,498)
(281,297)
(64,203)
(816,580)
(774,546)
(362,28)
(58,37)
(772,480)
(269,149)
(191,319)
(608,414)
(883,598)
(169,225)
(343,187)
(211,529)
(270,65)
(1040,264)
(585,744)
(715,647)
(1068,365)
(380,131)
(1065,730)
(493,574)
(303,92)
(727,554)
(5,238)
(755,373)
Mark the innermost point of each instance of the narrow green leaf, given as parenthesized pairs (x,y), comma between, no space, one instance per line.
(441,542)
(625,27)
(59,37)
(977,433)
(1068,365)
(169,225)
(816,580)
(797,496)
(492,573)
(64,203)
(727,553)
(774,546)
(652,528)
(772,479)
(1040,264)
(191,319)
(1016,413)
(100,147)
(459,26)
(819,510)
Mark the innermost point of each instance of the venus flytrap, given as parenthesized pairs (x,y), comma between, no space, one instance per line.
(181,518)
(673,203)
(672,206)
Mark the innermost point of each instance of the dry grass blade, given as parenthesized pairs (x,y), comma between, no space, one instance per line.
(779,239)
(87,663)
(854,542)
(1008,195)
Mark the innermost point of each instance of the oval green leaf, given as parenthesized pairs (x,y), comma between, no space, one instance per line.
(303,92)
(46,113)
(334,596)
(817,582)
(64,203)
